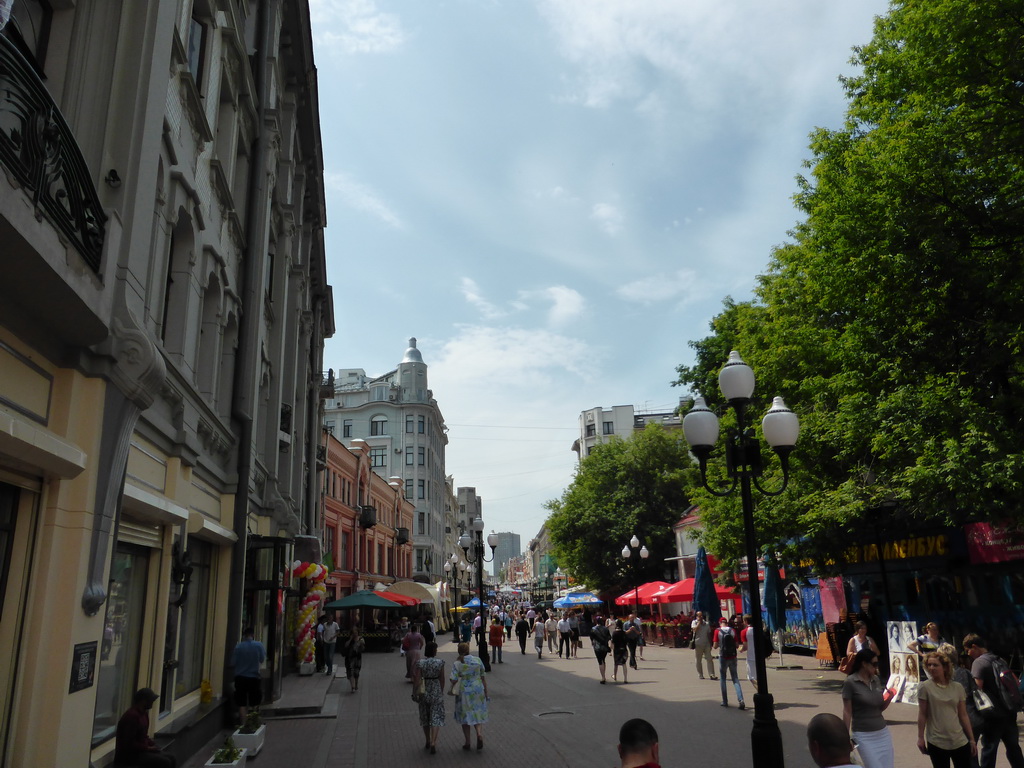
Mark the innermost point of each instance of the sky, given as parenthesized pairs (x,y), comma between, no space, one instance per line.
(555,196)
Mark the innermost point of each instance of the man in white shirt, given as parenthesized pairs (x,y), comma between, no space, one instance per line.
(329,633)
(564,637)
(551,631)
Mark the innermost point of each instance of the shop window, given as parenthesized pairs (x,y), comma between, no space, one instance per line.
(195,611)
(118,675)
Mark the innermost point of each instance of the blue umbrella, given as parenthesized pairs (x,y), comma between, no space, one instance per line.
(704,596)
(474,603)
(774,602)
(578,598)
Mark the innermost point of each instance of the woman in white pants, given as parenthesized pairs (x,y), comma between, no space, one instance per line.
(864,700)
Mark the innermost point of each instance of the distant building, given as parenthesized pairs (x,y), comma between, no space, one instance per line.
(397,419)
(507,549)
(471,507)
(599,425)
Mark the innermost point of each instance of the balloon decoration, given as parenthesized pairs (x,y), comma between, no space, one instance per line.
(305,632)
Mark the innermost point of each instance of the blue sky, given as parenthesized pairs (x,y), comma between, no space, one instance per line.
(555,197)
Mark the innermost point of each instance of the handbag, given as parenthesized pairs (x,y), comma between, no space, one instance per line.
(419,692)
(456,688)
(982,702)
(693,643)
(846,665)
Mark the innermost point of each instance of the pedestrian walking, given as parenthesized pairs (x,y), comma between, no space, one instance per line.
(1001,721)
(353,648)
(412,644)
(431,704)
(633,636)
(620,652)
(246,659)
(538,635)
(329,632)
(864,701)
(574,632)
(725,642)
(496,638)
(522,632)
(508,625)
(750,648)
(564,637)
(701,644)
(926,643)
(601,641)
(471,697)
(962,675)
(638,745)
(944,730)
(551,632)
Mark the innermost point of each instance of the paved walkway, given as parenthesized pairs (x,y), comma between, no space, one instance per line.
(552,712)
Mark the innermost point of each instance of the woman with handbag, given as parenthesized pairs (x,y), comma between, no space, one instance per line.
(944,730)
(859,642)
(864,700)
(469,687)
(428,693)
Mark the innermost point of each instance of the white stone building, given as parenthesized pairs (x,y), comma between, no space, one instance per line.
(398,419)
(599,425)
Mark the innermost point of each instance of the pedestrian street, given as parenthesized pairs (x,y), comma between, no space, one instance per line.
(553,712)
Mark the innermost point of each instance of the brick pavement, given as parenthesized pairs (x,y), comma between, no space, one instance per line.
(553,712)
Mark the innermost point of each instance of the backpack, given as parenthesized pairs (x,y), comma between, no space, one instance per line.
(1007,685)
(727,643)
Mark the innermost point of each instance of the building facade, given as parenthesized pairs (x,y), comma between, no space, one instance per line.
(162,317)
(400,423)
(509,547)
(599,425)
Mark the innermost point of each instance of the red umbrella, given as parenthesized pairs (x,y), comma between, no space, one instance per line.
(395,597)
(682,592)
(645,593)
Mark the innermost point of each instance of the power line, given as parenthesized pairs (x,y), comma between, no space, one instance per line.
(504,426)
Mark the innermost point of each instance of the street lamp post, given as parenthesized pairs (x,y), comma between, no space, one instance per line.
(454,567)
(743,458)
(642,554)
(476,542)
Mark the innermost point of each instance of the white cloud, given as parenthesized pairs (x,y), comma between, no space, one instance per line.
(681,285)
(473,295)
(608,218)
(361,198)
(355,26)
(566,303)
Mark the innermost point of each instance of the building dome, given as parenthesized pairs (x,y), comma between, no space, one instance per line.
(412,355)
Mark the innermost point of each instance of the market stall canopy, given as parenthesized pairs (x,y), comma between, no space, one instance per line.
(645,593)
(363,599)
(474,603)
(398,597)
(682,592)
(578,598)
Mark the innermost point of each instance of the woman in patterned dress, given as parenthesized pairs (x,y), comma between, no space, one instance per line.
(471,700)
(431,669)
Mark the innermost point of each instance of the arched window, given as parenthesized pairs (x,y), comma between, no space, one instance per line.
(378,426)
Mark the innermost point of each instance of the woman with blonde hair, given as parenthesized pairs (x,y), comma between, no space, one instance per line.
(471,698)
(944,730)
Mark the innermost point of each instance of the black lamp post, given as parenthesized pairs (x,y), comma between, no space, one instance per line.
(476,542)
(642,554)
(454,567)
(743,458)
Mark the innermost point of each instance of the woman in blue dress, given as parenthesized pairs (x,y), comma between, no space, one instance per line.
(471,699)
(431,670)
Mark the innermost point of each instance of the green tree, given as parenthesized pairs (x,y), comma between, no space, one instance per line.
(624,487)
(893,323)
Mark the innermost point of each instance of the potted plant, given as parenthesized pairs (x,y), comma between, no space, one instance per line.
(228,754)
(251,733)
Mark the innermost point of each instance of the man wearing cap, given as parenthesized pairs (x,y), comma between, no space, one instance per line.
(132,745)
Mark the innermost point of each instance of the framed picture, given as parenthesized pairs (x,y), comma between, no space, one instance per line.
(83,666)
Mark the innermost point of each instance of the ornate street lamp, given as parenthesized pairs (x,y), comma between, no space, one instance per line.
(454,567)
(641,554)
(476,542)
(743,459)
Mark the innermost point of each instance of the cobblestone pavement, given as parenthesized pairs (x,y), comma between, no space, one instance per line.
(552,712)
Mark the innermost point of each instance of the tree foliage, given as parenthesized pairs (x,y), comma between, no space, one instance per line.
(893,323)
(624,487)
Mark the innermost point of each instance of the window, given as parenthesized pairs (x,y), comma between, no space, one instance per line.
(609,428)
(422,452)
(421,526)
(196,50)
(408,489)
(378,457)
(29,29)
(378,426)
(195,610)
(346,428)
(591,430)
(421,489)
(419,559)
(380,558)
(342,563)
(330,542)
(378,394)
(421,424)
(408,455)
(118,676)
(409,424)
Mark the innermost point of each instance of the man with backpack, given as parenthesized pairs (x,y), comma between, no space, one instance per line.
(725,643)
(994,678)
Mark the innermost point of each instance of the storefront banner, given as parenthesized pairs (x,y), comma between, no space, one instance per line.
(994,543)
(833,598)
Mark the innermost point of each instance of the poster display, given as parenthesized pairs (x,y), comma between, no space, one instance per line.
(904,669)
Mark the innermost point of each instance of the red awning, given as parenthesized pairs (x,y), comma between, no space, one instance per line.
(397,598)
(645,592)
(682,592)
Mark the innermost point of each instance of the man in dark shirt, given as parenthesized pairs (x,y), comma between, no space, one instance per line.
(133,745)
(1000,723)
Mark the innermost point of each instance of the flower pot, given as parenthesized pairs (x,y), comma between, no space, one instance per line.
(239,761)
(251,742)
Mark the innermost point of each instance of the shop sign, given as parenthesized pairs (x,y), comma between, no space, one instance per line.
(83,666)
(901,549)
(994,543)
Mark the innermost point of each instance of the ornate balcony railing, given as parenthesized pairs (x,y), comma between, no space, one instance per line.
(38,149)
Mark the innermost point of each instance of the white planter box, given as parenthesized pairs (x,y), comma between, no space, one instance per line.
(239,761)
(251,742)
(307,668)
